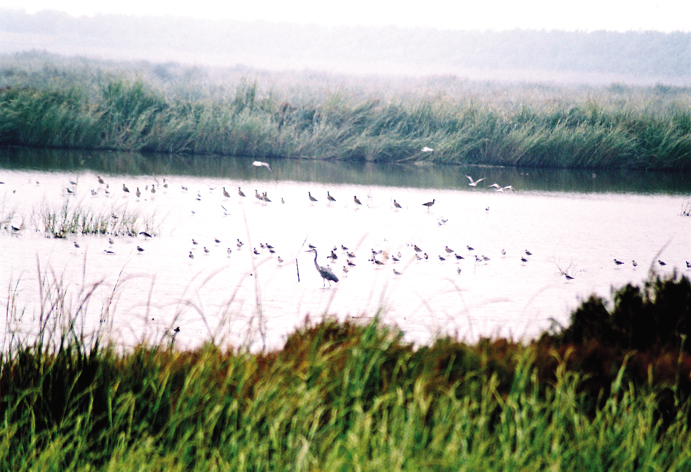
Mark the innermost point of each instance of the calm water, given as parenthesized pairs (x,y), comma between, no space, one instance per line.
(572,222)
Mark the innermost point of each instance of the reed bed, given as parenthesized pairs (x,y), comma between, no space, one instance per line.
(511,125)
(346,396)
(75,218)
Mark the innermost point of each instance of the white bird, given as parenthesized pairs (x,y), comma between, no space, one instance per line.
(473,183)
(427,149)
(260,164)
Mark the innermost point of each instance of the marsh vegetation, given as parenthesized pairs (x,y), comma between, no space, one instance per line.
(342,395)
(127,107)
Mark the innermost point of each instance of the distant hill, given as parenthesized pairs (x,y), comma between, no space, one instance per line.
(601,56)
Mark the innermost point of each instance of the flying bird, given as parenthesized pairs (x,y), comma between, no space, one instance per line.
(261,164)
(473,183)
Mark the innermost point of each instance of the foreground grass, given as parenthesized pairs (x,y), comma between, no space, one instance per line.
(615,127)
(344,396)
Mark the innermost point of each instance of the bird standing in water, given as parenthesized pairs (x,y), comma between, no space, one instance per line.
(325,272)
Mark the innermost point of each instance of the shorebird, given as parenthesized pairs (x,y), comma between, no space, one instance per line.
(191,256)
(618,262)
(524,260)
(140,249)
(329,197)
(100,180)
(138,193)
(153,188)
(429,204)
(125,189)
(77,246)
(357,200)
(528,253)
(206,251)
(396,205)
(312,199)
(473,183)
(448,250)
(635,264)
(261,164)
(240,192)
(568,277)
(396,273)
(662,263)
(225,193)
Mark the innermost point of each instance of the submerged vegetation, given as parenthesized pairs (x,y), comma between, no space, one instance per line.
(191,111)
(611,391)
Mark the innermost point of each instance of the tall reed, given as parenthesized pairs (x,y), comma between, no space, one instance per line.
(616,127)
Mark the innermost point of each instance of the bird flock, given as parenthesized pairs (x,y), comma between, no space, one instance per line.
(344,257)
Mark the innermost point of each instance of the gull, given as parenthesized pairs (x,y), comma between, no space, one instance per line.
(473,183)
(427,149)
(261,164)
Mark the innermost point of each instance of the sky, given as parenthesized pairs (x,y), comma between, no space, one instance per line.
(583,15)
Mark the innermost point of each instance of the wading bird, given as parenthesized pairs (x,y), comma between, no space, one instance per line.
(261,164)
(329,197)
(473,183)
(325,272)
(429,204)
(357,200)
(225,193)
(396,205)
(312,199)
(125,189)
(618,262)
(240,192)
(100,180)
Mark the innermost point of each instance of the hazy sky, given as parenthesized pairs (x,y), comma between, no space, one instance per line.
(585,15)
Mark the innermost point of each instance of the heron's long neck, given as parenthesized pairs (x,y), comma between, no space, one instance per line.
(315,259)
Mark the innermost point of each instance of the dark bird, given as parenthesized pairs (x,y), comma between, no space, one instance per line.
(688,264)
(470,248)
(194,242)
(524,260)
(528,253)
(396,273)
(429,204)
(153,188)
(140,249)
(357,200)
(225,193)
(125,189)
(76,245)
(107,251)
(441,258)
(206,250)
(138,193)
(240,192)
(396,204)
(100,180)
(459,257)
(568,277)
(618,262)
(448,250)
(662,263)
(325,272)
(329,197)
(635,264)
(417,249)
(312,199)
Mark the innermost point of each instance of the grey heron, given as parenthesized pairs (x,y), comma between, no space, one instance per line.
(325,272)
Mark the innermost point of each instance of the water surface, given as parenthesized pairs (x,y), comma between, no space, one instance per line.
(573,223)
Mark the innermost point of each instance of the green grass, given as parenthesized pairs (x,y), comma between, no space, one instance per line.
(74,218)
(109,106)
(347,396)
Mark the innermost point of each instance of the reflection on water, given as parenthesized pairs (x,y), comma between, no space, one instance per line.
(339,172)
(571,222)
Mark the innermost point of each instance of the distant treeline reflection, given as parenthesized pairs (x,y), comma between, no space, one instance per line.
(343,172)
